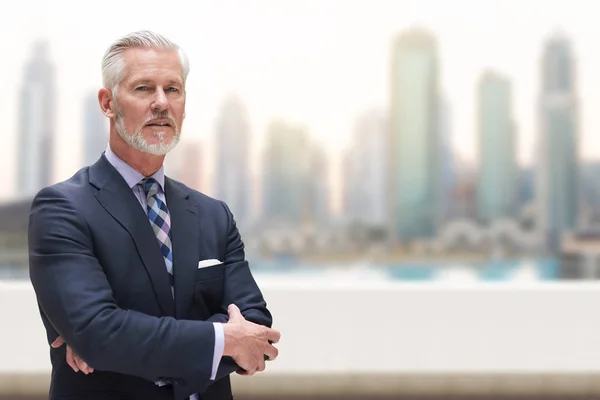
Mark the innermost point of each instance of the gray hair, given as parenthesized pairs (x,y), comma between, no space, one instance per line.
(113,64)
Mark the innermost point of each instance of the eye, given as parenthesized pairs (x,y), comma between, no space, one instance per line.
(173,89)
(142,88)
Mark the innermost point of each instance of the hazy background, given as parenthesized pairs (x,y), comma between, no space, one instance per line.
(364,142)
(375,130)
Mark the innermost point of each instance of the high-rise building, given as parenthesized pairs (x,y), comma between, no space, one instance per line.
(286,174)
(525,187)
(232,179)
(589,215)
(191,171)
(36,122)
(319,197)
(448,166)
(414,136)
(364,171)
(498,175)
(557,193)
(95,129)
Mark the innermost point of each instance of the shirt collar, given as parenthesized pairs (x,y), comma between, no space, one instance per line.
(131,176)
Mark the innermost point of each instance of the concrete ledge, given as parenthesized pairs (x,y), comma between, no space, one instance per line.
(268,385)
(24,384)
(272,385)
(477,340)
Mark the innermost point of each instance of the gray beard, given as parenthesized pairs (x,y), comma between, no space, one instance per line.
(137,140)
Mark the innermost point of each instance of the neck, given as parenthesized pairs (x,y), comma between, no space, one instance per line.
(146,164)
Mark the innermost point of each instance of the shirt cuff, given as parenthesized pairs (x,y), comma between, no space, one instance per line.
(219,348)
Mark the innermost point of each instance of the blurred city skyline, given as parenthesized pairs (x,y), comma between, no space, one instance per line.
(367,149)
(309,64)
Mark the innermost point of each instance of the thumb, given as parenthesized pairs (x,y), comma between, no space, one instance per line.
(57,343)
(234,313)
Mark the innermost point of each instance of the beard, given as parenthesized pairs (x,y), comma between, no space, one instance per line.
(137,140)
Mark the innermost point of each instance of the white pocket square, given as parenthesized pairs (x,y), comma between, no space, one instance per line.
(208,263)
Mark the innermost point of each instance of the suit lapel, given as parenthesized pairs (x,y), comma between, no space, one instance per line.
(119,201)
(185,236)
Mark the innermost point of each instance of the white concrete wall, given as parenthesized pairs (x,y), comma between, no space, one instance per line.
(429,331)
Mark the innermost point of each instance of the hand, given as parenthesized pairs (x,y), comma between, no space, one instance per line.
(248,343)
(76,363)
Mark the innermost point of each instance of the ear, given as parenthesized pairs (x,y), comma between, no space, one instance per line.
(107,104)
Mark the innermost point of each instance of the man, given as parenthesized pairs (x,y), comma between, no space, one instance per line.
(143,278)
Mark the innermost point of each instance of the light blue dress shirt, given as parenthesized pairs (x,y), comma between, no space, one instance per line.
(133,177)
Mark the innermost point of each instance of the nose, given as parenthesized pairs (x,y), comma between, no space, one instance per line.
(160,102)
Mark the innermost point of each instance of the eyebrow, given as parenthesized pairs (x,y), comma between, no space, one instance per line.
(146,81)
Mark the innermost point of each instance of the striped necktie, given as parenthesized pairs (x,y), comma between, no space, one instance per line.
(158,214)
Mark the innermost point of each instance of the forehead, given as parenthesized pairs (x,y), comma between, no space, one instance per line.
(152,64)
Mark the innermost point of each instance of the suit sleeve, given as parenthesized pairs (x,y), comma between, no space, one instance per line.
(240,288)
(74,295)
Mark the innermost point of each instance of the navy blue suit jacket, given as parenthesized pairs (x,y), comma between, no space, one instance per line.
(101,284)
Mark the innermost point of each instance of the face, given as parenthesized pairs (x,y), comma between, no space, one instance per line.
(150,100)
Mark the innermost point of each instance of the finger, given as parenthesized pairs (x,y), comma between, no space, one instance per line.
(82,364)
(271,352)
(57,343)
(233,309)
(261,366)
(71,360)
(83,367)
(249,370)
(273,335)
(234,312)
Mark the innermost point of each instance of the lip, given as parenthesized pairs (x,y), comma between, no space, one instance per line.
(161,121)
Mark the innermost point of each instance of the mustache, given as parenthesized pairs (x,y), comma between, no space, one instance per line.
(161,115)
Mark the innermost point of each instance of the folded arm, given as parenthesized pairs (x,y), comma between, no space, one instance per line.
(75,297)
(240,289)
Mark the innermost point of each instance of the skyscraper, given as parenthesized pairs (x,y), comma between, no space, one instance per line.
(365,168)
(557,194)
(232,158)
(191,170)
(95,129)
(36,122)
(318,181)
(498,175)
(286,174)
(447,165)
(414,136)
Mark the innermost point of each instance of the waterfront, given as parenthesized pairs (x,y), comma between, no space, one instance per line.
(418,271)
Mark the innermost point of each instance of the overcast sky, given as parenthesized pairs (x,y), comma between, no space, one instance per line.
(318,62)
